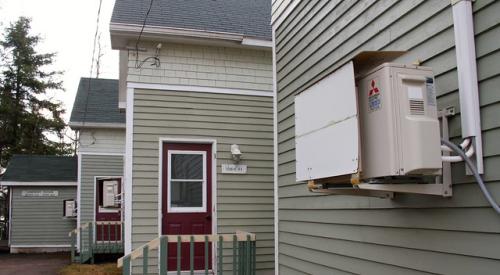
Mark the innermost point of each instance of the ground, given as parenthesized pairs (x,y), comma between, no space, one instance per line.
(50,264)
(87,269)
(32,264)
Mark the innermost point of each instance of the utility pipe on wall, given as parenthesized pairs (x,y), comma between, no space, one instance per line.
(467,76)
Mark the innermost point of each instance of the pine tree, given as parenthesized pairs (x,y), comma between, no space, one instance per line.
(29,119)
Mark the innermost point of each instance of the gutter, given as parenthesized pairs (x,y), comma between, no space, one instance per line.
(95,125)
(463,23)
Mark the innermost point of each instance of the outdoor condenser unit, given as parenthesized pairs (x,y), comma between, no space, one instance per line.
(378,127)
(110,191)
(399,127)
(69,208)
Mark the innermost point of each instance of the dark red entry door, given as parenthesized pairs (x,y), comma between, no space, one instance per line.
(104,213)
(187,198)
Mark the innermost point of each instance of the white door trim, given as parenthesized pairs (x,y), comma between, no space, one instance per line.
(213,142)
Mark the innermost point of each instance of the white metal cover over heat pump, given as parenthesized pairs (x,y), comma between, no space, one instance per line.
(326,127)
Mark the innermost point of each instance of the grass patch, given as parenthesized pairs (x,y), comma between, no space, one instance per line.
(88,269)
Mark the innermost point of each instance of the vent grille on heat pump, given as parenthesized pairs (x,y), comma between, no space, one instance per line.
(417,107)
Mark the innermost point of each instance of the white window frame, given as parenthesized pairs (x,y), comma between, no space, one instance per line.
(175,209)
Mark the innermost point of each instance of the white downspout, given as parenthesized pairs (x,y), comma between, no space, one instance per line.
(467,76)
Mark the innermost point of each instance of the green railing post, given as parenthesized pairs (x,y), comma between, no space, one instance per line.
(126,265)
(91,243)
(145,256)
(80,236)
(191,255)
(221,262)
(179,242)
(248,256)
(254,257)
(206,255)
(73,241)
(235,261)
(163,255)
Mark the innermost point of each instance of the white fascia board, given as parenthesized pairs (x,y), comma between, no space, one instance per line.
(198,89)
(39,183)
(257,42)
(159,32)
(102,125)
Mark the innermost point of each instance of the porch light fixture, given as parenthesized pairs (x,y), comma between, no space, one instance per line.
(236,153)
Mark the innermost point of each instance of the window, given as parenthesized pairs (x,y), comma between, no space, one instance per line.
(187,181)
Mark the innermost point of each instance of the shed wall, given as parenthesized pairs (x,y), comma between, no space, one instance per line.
(39,221)
(411,234)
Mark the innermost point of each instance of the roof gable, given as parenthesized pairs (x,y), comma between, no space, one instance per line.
(97,104)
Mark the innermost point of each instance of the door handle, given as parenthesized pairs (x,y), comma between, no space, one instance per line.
(208,217)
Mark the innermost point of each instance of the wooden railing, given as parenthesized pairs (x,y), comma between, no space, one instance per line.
(241,244)
(96,237)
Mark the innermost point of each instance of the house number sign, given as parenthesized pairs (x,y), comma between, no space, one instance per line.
(42,193)
(234,169)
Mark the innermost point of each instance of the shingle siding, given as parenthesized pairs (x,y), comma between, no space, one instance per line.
(206,66)
(244,202)
(39,220)
(410,234)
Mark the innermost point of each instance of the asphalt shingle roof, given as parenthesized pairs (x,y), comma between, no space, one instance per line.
(251,18)
(100,102)
(33,168)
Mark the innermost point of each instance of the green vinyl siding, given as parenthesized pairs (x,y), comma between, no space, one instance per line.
(410,234)
(39,220)
(95,166)
(244,202)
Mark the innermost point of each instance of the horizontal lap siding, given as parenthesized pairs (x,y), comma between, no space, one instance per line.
(39,220)
(95,166)
(244,202)
(409,234)
(205,66)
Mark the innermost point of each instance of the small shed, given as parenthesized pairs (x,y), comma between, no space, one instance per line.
(39,186)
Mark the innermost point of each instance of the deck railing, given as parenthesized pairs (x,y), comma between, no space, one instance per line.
(241,246)
(96,237)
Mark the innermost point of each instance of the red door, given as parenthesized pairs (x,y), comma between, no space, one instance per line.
(104,231)
(187,198)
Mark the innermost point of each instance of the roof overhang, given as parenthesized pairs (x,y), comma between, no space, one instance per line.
(121,34)
(38,183)
(99,125)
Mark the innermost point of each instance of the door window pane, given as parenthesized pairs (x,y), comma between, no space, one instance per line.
(186,194)
(187,166)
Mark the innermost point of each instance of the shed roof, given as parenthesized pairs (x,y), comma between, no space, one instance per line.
(99,102)
(251,18)
(41,168)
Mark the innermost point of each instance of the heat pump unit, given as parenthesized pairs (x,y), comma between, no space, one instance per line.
(399,128)
(69,209)
(110,192)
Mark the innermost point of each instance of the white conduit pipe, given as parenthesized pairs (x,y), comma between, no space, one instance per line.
(476,175)
(465,143)
(469,154)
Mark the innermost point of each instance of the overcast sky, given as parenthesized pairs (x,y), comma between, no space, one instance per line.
(67,27)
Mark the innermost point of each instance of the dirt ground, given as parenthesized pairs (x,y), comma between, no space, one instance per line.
(33,264)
